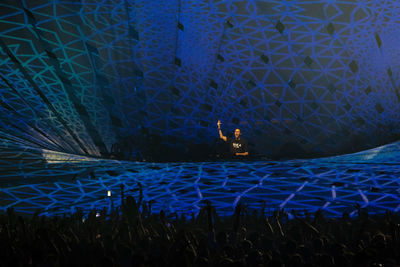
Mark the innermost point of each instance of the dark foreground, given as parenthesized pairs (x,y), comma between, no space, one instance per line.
(133,236)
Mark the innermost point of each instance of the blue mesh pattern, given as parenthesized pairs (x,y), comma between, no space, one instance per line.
(300,78)
(58,183)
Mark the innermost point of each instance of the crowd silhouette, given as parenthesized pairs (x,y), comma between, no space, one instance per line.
(132,235)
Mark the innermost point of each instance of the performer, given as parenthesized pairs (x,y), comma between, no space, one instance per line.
(237,146)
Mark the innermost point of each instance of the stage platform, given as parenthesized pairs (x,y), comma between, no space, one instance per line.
(58,183)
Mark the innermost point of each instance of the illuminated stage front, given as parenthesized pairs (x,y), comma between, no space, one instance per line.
(58,183)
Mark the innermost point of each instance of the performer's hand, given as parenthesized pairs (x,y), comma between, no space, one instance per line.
(219,124)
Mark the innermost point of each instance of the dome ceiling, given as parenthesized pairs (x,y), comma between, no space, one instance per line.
(300,78)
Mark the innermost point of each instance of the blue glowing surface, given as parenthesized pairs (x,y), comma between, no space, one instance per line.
(318,77)
(59,183)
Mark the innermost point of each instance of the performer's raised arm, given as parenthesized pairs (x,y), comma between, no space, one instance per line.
(220,132)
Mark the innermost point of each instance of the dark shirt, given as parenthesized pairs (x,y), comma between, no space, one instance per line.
(237,145)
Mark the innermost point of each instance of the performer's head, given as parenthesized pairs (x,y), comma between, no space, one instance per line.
(237,133)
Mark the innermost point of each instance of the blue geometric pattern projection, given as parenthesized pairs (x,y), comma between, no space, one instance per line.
(59,183)
(301,78)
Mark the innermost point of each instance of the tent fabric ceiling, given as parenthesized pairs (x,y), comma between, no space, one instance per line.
(303,78)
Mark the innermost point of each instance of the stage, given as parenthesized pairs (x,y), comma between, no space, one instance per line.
(57,183)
